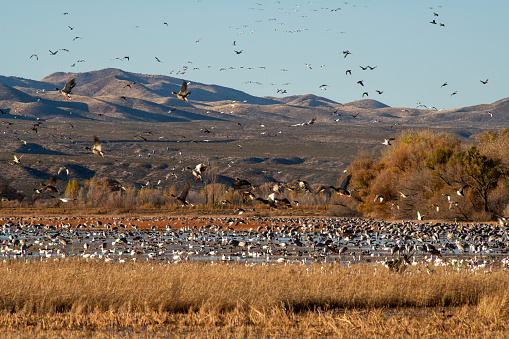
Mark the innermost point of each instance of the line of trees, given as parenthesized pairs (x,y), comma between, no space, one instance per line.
(436,175)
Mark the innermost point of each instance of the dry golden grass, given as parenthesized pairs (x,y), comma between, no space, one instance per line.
(69,298)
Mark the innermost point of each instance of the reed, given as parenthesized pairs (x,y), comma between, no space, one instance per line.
(222,299)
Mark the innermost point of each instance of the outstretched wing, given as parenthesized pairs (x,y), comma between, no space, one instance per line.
(183,88)
(70,85)
(183,194)
(97,143)
(52,181)
(345,182)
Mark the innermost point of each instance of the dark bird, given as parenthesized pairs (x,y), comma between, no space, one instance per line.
(484,82)
(241,184)
(51,186)
(165,23)
(372,67)
(444,84)
(454,93)
(183,195)
(343,187)
(34,55)
(66,91)
(123,97)
(182,95)
(346,53)
(76,37)
(3,112)
(435,14)
(158,59)
(97,148)
(433,22)
(361,82)
(379,92)
(365,94)
(364,68)
(354,115)
(71,28)
(238,52)
(348,71)
(53,53)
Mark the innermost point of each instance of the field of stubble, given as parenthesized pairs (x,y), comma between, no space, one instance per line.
(77,298)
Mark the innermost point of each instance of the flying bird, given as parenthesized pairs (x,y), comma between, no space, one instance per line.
(63,169)
(198,170)
(348,71)
(365,94)
(361,82)
(53,53)
(183,195)
(484,82)
(387,142)
(238,52)
(97,148)
(182,95)
(34,55)
(16,160)
(343,187)
(66,91)
(454,93)
(158,59)
(51,186)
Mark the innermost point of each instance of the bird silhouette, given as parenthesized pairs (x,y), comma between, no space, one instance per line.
(51,186)
(183,195)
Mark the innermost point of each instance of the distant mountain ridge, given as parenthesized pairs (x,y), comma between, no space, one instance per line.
(113,94)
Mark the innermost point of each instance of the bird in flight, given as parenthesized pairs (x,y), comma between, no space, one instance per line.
(53,53)
(34,55)
(454,93)
(51,186)
(484,82)
(198,170)
(183,195)
(238,52)
(97,148)
(16,160)
(66,91)
(158,59)
(387,142)
(365,94)
(182,95)
(361,82)
(379,92)
(444,84)
(348,71)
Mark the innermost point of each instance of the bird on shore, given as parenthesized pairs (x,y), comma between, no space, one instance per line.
(183,195)
(182,95)
(97,148)
(51,186)
(66,91)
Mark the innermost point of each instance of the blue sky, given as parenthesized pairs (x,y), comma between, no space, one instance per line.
(413,57)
